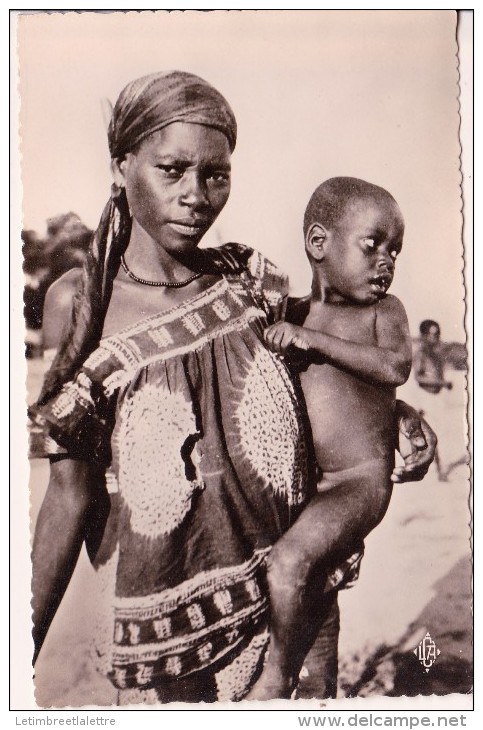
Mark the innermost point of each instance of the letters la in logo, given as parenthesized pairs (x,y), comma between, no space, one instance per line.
(426,652)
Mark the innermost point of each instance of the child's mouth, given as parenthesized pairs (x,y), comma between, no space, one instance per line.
(380,284)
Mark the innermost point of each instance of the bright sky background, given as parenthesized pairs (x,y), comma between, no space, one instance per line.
(371,94)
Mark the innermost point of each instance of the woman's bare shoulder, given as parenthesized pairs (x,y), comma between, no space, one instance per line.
(58,306)
(298,309)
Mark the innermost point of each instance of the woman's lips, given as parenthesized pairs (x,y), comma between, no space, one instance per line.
(188,229)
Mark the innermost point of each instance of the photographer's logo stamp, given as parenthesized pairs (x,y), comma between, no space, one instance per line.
(427,652)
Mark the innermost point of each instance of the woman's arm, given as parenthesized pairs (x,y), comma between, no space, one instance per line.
(422,440)
(387,363)
(59,533)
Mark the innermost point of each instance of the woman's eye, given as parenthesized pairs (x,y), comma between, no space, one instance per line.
(171,171)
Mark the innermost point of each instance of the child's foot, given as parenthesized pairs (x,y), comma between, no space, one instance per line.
(272,685)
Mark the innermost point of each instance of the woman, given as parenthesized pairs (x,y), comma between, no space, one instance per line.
(163,395)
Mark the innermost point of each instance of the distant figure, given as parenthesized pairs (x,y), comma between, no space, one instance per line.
(428,368)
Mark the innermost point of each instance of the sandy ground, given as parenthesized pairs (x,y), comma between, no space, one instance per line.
(415,578)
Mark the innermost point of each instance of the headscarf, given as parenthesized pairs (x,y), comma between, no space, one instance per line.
(152,102)
(146,105)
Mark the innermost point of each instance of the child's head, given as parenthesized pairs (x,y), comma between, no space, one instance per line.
(430,331)
(353,233)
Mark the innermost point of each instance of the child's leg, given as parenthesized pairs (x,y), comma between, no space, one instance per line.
(325,533)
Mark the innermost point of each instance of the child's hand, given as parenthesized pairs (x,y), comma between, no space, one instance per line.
(282,335)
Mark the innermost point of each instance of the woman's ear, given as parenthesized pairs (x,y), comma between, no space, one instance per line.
(117,168)
(315,241)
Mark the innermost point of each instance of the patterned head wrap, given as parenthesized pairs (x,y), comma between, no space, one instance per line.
(152,102)
(143,107)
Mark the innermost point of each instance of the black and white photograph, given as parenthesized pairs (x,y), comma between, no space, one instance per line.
(244,282)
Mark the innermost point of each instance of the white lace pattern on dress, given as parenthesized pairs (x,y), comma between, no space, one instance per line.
(156,424)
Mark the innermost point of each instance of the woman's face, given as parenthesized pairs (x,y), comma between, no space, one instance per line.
(177,182)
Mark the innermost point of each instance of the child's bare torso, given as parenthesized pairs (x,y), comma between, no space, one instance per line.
(352,419)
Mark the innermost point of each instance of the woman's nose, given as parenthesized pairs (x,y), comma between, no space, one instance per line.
(194,191)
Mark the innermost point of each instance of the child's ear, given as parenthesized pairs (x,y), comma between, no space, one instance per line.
(315,240)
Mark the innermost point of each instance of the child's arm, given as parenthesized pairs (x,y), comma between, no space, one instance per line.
(387,363)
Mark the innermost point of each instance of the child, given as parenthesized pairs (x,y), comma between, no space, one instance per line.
(356,349)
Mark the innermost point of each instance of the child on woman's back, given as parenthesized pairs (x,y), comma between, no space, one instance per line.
(356,349)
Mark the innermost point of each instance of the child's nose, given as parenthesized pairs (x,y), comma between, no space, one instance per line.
(385,261)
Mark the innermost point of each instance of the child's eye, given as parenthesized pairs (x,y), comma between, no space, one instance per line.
(369,243)
(394,254)
(219,176)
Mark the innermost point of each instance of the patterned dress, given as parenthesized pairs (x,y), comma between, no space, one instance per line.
(199,428)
